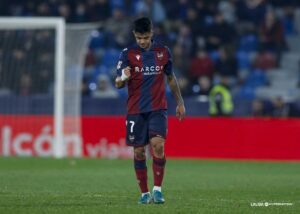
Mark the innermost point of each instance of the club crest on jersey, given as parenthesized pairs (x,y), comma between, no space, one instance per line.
(160,55)
(138,57)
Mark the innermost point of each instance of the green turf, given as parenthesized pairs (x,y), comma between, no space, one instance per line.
(35,185)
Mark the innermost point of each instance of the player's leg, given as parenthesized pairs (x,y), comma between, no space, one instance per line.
(141,174)
(137,136)
(157,129)
(158,167)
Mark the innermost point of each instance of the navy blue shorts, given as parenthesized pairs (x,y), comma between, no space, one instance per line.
(140,128)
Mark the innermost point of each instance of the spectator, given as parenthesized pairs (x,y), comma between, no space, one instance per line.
(43,9)
(151,8)
(161,34)
(197,26)
(288,20)
(180,60)
(220,33)
(202,9)
(41,81)
(179,68)
(251,11)
(99,10)
(271,35)
(220,99)
(172,9)
(182,9)
(80,13)
(105,88)
(204,84)
(280,108)
(228,10)
(64,11)
(275,107)
(185,26)
(25,85)
(194,21)
(201,65)
(265,60)
(227,64)
(119,27)
(184,85)
(185,39)
(85,90)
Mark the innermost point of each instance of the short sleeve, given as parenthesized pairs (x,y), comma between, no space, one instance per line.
(123,61)
(169,66)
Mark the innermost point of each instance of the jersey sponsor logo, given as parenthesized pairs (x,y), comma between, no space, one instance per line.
(147,69)
(138,57)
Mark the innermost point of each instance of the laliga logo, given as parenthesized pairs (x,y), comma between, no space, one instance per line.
(26,144)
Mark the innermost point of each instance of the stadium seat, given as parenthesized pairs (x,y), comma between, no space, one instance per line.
(243,107)
(289,26)
(97,71)
(110,57)
(246,93)
(256,78)
(289,95)
(248,43)
(244,61)
(97,40)
(117,3)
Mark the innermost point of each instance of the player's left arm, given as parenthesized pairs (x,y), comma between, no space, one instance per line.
(173,84)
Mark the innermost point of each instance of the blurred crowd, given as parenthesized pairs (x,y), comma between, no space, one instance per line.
(26,62)
(229,42)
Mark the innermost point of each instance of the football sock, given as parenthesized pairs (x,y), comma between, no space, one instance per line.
(158,167)
(157,188)
(144,193)
(141,174)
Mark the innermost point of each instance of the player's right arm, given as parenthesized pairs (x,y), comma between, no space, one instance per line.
(120,81)
(123,70)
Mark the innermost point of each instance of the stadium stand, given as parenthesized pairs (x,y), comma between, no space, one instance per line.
(261,37)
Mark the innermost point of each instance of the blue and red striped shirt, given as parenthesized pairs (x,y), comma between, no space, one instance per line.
(146,86)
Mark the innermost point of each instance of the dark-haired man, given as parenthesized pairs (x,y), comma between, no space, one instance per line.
(143,67)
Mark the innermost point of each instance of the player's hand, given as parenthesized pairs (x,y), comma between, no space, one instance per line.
(180,112)
(125,73)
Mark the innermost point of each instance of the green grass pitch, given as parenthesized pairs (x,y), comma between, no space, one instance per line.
(37,185)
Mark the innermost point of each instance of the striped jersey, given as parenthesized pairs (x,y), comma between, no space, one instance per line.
(146,85)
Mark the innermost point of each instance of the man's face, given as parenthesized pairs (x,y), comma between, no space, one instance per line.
(143,39)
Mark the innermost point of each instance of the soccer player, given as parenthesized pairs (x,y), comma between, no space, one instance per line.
(142,67)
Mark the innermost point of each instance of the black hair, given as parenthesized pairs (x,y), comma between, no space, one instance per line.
(142,25)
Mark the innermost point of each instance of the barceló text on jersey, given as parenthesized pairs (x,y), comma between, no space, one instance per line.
(149,70)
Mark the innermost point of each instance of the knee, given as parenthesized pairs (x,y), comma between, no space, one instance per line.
(139,153)
(158,147)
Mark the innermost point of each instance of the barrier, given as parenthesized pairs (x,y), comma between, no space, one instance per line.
(277,139)
(103,137)
(242,138)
